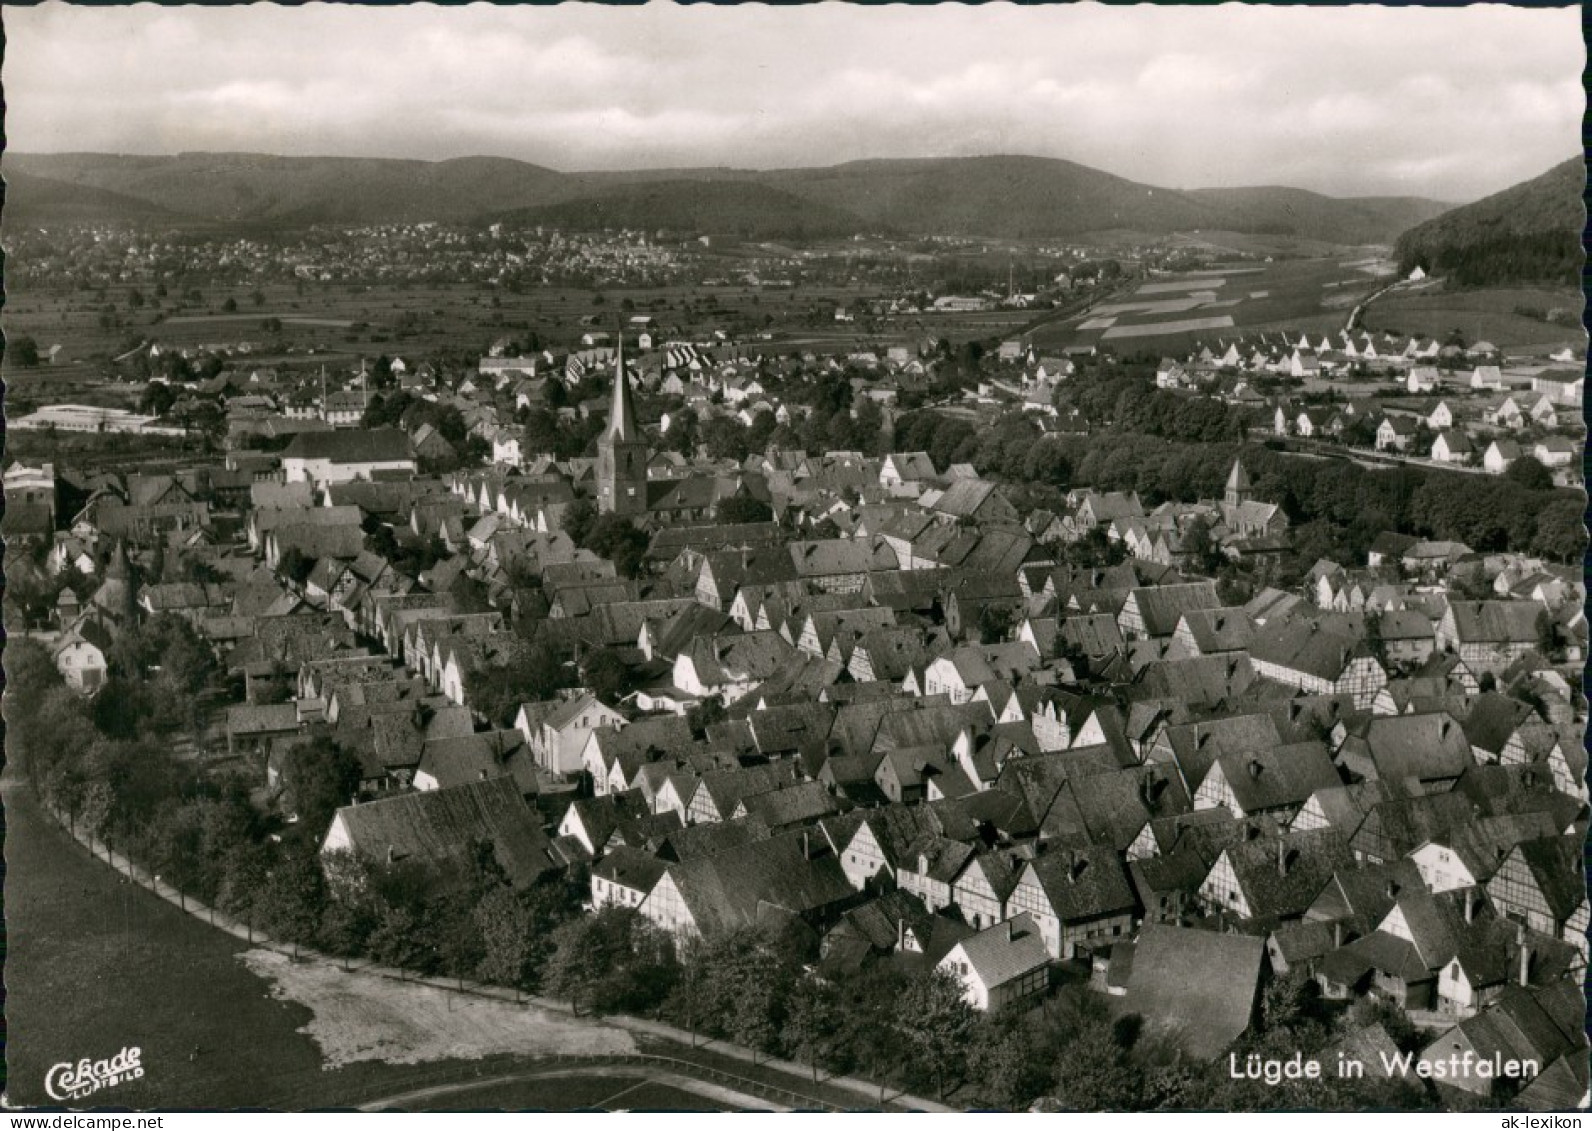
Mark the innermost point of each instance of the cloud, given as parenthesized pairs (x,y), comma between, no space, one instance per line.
(1451,102)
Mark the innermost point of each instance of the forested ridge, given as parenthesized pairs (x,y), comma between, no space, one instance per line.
(1528,233)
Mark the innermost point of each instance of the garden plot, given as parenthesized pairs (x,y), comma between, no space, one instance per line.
(1163,306)
(1155,329)
(1179,285)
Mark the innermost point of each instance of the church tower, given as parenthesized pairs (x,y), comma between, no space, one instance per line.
(622,453)
(1238,486)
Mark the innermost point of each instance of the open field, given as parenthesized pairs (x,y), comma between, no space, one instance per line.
(1312,296)
(362,1018)
(95,963)
(1486,314)
(333,322)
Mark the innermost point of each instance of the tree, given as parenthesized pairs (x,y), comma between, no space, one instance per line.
(230,306)
(322,775)
(291,900)
(813,1022)
(157,398)
(936,1021)
(1201,547)
(1561,530)
(24,351)
(1011,1063)
(579,516)
(1528,472)
(397,939)
(608,961)
(604,674)
(615,537)
(1092,1072)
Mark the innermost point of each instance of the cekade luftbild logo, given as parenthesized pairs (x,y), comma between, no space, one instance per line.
(68,1081)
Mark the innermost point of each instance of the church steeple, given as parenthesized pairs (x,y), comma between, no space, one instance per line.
(621,414)
(622,452)
(1238,486)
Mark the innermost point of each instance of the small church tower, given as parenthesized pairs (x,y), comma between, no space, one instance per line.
(1239,489)
(622,453)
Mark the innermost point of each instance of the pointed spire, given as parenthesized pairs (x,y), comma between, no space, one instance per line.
(119,567)
(1238,478)
(622,414)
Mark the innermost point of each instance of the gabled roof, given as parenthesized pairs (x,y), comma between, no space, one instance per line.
(1082,883)
(1004,952)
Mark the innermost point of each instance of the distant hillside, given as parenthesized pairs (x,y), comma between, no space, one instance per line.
(996,196)
(39,200)
(1530,233)
(304,190)
(735,208)
(1274,210)
(1019,197)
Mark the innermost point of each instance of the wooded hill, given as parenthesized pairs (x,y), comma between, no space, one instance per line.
(1003,196)
(1530,233)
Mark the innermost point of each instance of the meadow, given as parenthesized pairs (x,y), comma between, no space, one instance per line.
(1484,314)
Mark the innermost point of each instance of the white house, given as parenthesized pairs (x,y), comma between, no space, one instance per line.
(1499,455)
(1003,964)
(81,663)
(1451,447)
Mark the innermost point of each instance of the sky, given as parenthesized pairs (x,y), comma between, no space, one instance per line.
(1450,103)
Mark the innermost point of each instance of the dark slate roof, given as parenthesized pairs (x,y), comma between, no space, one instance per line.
(1281,877)
(361,445)
(438,827)
(1083,883)
(1197,987)
(731,889)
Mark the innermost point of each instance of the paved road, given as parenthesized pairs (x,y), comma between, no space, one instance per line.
(735,1100)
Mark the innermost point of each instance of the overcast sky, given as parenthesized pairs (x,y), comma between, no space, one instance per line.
(1448,103)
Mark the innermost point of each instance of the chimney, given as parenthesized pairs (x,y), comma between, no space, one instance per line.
(1008,925)
(901,934)
(1470,905)
(392,854)
(1337,934)
(1525,966)
(1282,858)
(1255,767)
(1392,890)
(807,845)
